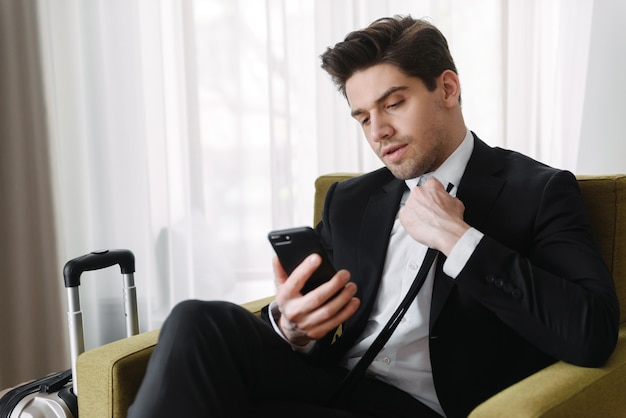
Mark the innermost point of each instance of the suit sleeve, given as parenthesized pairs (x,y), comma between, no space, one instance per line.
(554,288)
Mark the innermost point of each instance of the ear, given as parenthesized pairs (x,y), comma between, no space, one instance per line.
(451,88)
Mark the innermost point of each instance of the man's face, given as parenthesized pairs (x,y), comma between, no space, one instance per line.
(403,122)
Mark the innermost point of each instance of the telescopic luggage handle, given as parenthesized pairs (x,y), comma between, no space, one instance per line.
(97,260)
(71,274)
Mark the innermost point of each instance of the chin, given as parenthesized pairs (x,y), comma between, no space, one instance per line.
(406,172)
(403,174)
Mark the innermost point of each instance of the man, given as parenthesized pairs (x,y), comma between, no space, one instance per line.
(518,283)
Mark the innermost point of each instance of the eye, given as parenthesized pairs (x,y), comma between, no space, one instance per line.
(395,104)
(364,121)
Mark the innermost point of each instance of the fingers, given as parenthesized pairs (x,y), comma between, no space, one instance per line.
(311,316)
(428,195)
(298,277)
(433,217)
(329,315)
(301,326)
(433,183)
(279,273)
(322,302)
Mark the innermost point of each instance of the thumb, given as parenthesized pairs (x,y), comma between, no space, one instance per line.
(279,272)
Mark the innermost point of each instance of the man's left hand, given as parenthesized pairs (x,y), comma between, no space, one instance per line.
(433,217)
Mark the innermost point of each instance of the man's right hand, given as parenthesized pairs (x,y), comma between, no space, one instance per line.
(310,317)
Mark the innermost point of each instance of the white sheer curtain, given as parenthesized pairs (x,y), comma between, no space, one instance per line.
(546,57)
(186,130)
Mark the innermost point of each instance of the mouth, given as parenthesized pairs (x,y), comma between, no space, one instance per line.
(393,153)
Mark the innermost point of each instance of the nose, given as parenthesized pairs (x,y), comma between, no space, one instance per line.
(380,128)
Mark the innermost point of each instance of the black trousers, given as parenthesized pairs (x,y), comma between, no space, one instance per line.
(216,359)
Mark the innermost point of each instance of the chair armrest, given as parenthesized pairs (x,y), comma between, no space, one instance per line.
(256,305)
(565,390)
(109,376)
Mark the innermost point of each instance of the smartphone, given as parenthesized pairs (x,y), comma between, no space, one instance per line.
(293,245)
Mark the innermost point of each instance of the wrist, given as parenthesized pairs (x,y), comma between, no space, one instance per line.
(275,316)
(294,335)
(450,239)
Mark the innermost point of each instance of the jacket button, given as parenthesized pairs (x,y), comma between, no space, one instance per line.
(499,283)
(490,279)
(516,293)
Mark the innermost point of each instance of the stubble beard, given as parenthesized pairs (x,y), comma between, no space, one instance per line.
(410,169)
(418,163)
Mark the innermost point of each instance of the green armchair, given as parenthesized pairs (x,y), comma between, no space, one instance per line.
(109,376)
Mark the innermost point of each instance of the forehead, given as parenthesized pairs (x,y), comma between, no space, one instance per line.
(365,87)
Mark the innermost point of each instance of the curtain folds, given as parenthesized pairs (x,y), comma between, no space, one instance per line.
(546,57)
(32,321)
(186,130)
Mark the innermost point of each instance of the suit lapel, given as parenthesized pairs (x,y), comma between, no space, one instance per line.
(378,220)
(480,185)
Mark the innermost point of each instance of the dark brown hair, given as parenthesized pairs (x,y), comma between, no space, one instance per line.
(415,46)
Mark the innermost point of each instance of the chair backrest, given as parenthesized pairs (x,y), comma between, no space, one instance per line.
(605,200)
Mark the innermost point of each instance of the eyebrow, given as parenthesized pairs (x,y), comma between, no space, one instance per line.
(381,98)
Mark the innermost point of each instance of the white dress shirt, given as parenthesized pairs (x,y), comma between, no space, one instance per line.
(404,362)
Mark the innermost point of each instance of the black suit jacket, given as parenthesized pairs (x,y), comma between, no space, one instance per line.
(535,290)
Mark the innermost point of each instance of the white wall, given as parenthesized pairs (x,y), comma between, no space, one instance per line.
(603,131)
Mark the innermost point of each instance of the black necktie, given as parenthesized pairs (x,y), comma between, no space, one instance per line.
(349,382)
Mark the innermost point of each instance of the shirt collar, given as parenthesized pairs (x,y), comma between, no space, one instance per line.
(452,168)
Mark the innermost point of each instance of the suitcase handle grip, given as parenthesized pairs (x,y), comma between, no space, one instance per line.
(97,260)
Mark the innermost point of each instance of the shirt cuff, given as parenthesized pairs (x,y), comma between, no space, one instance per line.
(461,252)
(274,317)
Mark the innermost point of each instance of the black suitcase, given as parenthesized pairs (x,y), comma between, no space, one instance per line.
(56,395)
